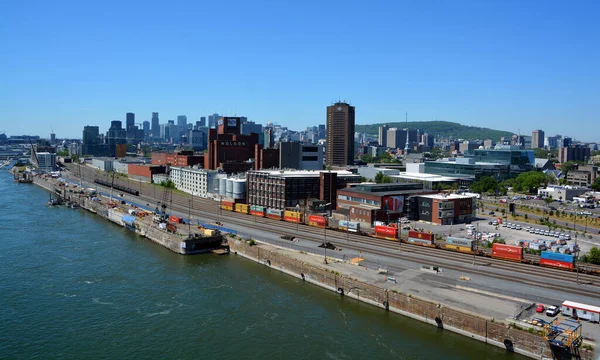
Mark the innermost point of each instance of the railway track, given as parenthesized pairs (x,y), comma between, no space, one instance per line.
(209,209)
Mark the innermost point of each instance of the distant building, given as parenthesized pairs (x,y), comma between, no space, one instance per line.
(250,127)
(573,153)
(155,126)
(537,139)
(143,172)
(583,175)
(551,142)
(562,192)
(130,127)
(428,141)
(116,135)
(92,142)
(103,164)
(369,172)
(146,128)
(180,158)
(295,155)
(488,144)
(212,120)
(182,125)
(340,134)
(228,149)
(46,161)
(383,135)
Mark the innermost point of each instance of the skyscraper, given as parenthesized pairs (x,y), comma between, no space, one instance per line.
(182,123)
(155,126)
(383,135)
(212,120)
(340,134)
(146,127)
(537,139)
(202,121)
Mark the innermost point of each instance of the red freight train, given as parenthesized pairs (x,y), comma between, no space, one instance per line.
(507,252)
(556,263)
(317,220)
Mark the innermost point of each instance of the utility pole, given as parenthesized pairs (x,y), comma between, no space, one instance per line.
(190,218)
(476,243)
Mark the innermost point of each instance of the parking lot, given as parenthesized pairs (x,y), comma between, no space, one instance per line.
(508,234)
(537,320)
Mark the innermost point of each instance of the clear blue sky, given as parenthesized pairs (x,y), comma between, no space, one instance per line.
(508,65)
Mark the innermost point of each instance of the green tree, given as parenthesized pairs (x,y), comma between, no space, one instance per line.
(596,184)
(484,185)
(594,256)
(366,158)
(531,181)
(382,179)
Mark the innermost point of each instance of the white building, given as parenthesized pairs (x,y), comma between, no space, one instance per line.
(197,182)
(46,161)
(370,172)
(562,192)
(104,164)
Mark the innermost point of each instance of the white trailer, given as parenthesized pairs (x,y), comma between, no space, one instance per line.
(581,311)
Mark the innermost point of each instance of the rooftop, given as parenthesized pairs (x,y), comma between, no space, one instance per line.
(301,173)
(430,177)
(356,190)
(448,196)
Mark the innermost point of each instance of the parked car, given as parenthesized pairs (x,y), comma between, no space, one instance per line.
(491,213)
(540,308)
(552,310)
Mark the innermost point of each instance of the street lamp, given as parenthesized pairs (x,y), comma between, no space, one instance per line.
(297,219)
(347,226)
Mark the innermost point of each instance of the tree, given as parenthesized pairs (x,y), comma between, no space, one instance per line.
(596,184)
(367,158)
(530,181)
(484,184)
(382,179)
(594,256)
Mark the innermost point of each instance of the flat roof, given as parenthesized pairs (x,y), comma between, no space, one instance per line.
(448,196)
(429,177)
(580,306)
(300,173)
(383,193)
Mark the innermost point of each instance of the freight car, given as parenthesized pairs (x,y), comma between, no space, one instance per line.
(241,208)
(317,221)
(420,238)
(386,232)
(557,260)
(460,244)
(507,252)
(293,216)
(117,187)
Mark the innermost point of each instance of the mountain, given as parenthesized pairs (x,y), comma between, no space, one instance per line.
(440,128)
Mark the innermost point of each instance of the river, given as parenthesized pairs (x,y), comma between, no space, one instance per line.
(74,286)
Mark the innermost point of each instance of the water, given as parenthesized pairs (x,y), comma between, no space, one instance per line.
(74,286)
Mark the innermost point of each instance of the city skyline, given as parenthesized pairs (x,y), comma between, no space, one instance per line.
(491,64)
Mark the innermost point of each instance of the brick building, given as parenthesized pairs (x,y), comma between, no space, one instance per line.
(228,149)
(442,209)
(367,203)
(279,189)
(180,158)
(144,172)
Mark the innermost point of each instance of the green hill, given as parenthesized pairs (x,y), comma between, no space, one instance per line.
(441,128)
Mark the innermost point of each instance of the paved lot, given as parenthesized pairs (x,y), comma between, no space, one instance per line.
(590,330)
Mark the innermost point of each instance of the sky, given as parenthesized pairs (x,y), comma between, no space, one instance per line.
(508,65)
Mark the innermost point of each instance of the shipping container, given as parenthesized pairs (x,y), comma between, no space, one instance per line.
(420,235)
(351,226)
(502,251)
(418,241)
(257,213)
(556,263)
(459,248)
(210,232)
(557,256)
(241,208)
(292,216)
(275,214)
(174,219)
(460,242)
(258,210)
(228,202)
(227,207)
(386,232)
(317,220)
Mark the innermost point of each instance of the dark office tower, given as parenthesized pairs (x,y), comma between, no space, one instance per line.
(202,121)
(340,135)
(155,126)
(537,139)
(91,138)
(116,135)
(130,126)
(146,127)
(383,135)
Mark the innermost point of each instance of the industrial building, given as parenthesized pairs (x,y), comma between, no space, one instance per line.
(179,158)
(366,203)
(295,155)
(442,209)
(145,172)
(279,189)
(198,182)
(228,149)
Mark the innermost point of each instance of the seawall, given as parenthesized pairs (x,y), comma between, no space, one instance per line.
(312,269)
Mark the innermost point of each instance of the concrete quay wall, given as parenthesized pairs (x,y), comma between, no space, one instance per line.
(439,315)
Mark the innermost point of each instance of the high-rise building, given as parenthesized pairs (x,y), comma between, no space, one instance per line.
(116,135)
(212,120)
(573,153)
(202,121)
(340,134)
(383,135)
(537,139)
(91,139)
(268,138)
(155,126)
(146,127)
(249,127)
(428,141)
(130,126)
